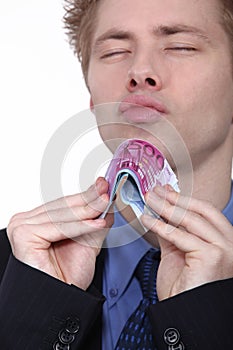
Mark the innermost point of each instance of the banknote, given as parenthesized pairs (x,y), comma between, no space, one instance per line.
(136,167)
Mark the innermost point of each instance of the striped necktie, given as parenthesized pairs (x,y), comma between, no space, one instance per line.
(136,334)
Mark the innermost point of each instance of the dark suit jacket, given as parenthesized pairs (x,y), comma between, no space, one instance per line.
(37,311)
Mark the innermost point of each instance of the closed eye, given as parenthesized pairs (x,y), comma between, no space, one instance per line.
(114,54)
(181,48)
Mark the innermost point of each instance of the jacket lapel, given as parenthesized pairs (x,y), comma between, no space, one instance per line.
(95,343)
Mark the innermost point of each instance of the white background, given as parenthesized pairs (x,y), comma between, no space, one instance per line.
(41,86)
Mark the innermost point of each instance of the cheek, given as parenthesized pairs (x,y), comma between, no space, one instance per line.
(207,95)
(217,102)
(106,82)
(203,108)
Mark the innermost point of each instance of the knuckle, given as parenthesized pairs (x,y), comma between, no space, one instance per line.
(71,200)
(13,224)
(87,211)
(85,196)
(18,233)
(173,233)
(93,209)
(189,219)
(168,210)
(81,213)
(207,207)
(228,247)
(215,254)
(16,217)
(21,230)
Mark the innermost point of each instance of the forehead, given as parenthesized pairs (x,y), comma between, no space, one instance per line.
(137,15)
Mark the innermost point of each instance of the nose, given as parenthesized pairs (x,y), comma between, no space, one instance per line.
(141,76)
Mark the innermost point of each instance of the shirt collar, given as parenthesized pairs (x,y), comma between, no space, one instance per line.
(228,210)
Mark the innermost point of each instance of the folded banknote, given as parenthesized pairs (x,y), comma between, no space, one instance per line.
(137,167)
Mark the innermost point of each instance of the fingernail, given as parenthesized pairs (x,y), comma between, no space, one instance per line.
(100,184)
(152,196)
(169,188)
(100,222)
(99,181)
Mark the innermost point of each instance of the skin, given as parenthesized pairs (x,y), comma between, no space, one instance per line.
(63,237)
(193,79)
(193,74)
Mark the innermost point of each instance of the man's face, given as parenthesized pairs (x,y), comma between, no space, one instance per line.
(172,56)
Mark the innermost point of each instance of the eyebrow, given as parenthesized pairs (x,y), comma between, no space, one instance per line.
(159,31)
(180,28)
(114,34)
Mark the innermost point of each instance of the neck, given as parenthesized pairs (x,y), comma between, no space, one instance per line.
(212,182)
(212,175)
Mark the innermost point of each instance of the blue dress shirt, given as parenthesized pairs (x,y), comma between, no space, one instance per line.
(121,288)
(228,211)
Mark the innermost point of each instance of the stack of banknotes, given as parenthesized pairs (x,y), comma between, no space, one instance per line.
(137,167)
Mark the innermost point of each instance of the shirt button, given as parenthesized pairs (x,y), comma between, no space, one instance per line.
(113,292)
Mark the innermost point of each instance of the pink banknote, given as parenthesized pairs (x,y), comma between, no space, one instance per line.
(140,166)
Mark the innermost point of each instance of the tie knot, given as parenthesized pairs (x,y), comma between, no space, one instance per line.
(146,273)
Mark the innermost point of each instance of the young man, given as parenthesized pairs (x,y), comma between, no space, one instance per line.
(177,57)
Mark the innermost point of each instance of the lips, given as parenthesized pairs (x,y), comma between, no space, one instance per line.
(142,109)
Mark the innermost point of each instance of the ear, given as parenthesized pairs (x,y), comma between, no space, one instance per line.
(91,105)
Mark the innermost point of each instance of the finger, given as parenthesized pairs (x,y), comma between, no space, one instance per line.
(203,208)
(48,233)
(78,213)
(184,241)
(100,187)
(191,221)
(90,211)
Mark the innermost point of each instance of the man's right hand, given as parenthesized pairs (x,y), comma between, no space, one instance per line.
(62,238)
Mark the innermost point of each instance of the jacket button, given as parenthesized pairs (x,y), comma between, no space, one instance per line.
(59,346)
(179,346)
(66,337)
(171,336)
(72,324)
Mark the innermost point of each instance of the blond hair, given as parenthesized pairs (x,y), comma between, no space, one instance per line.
(80,21)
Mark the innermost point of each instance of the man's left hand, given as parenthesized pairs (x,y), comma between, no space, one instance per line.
(195,238)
